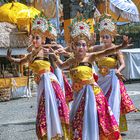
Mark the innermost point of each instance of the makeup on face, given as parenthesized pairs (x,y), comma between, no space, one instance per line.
(36,37)
(36,40)
(79,45)
(106,37)
(48,41)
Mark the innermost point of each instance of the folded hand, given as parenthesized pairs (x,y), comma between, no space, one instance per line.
(120,76)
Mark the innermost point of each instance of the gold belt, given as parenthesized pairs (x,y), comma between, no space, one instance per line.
(43,71)
(78,84)
(104,71)
(38,74)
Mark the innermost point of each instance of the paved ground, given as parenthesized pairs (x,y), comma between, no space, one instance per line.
(17,118)
(133,118)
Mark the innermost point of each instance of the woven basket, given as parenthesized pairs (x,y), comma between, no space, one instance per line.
(5,94)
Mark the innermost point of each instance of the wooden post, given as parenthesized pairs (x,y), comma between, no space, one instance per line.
(106,7)
(34,3)
(21,69)
(67,18)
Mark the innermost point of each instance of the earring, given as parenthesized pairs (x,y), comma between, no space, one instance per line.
(43,42)
(112,39)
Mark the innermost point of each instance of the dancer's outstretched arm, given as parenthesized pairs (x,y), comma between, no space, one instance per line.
(17,60)
(97,55)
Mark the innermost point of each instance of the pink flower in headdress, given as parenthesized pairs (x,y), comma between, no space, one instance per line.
(81,27)
(38,22)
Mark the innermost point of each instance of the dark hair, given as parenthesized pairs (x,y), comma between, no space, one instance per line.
(126,34)
(107,36)
(48,41)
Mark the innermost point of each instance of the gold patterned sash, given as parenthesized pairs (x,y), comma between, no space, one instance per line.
(78,84)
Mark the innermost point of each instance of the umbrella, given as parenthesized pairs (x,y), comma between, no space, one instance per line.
(126,9)
(8,11)
(29,12)
(25,17)
(102,6)
(137,2)
(18,13)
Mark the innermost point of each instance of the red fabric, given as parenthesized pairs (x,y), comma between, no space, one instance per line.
(68,90)
(95,76)
(126,102)
(63,110)
(51,68)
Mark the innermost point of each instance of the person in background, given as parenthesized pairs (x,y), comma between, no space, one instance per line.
(65,85)
(110,78)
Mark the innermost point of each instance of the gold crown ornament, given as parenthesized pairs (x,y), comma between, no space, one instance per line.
(42,26)
(80,30)
(107,26)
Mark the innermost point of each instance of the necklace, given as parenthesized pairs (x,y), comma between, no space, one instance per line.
(78,60)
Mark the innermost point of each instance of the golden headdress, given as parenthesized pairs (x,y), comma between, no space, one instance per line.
(80,29)
(42,25)
(107,26)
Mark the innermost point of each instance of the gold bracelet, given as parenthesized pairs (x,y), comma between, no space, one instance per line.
(72,55)
(96,57)
(56,58)
(121,55)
